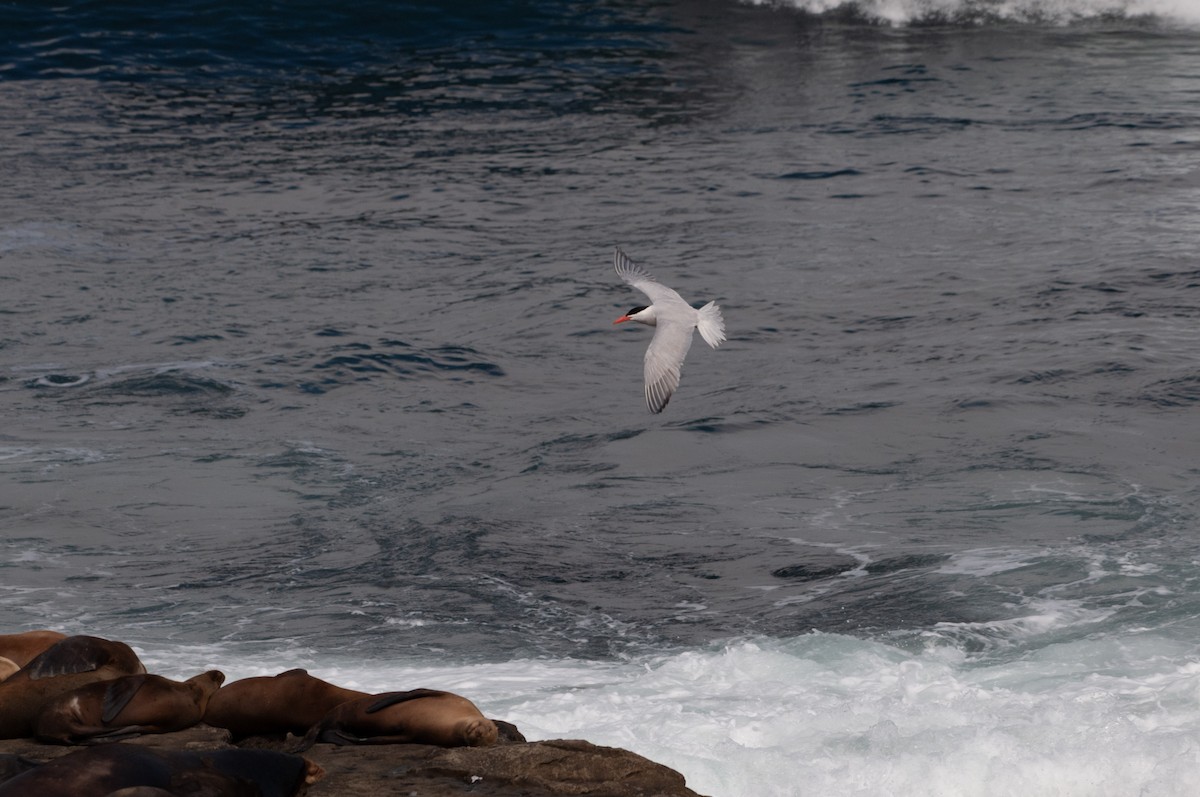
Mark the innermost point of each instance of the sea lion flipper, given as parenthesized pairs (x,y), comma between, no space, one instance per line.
(340,738)
(82,654)
(113,735)
(393,698)
(120,691)
(319,733)
(308,741)
(69,656)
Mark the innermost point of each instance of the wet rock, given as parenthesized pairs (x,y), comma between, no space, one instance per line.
(512,769)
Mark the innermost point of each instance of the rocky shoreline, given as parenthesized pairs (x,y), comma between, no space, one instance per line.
(128,733)
(507,769)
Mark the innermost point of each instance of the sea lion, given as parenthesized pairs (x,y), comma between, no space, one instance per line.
(275,774)
(79,654)
(125,707)
(12,765)
(7,667)
(290,702)
(419,716)
(23,647)
(99,771)
(94,771)
(69,664)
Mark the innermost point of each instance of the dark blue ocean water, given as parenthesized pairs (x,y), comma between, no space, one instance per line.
(306,359)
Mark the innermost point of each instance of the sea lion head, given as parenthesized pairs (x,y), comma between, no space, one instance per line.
(478,732)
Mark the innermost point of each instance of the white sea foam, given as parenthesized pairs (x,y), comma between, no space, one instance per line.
(25,454)
(826,714)
(40,235)
(903,12)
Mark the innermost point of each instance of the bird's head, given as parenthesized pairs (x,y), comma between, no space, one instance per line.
(643,315)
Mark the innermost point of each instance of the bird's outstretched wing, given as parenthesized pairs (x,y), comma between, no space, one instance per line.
(639,278)
(664,361)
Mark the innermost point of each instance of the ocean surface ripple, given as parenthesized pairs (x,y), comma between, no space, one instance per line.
(307,360)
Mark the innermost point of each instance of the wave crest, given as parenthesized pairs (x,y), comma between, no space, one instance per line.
(915,12)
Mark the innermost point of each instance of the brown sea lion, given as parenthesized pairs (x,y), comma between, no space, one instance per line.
(419,716)
(291,702)
(7,667)
(101,770)
(124,707)
(22,647)
(69,664)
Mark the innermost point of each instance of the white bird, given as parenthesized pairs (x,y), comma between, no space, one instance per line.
(673,320)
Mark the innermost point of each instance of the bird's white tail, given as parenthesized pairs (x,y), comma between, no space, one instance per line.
(711,324)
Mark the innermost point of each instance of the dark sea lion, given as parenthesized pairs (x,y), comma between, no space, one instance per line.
(79,654)
(23,647)
(419,716)
(69,664)
(12,765)
(275,774)
(93,771)
(99,771)
(291,702)
(124,707)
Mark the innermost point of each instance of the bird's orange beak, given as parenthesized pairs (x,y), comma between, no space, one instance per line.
(622,318)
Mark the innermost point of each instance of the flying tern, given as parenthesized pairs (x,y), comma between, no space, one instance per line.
(673,320)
